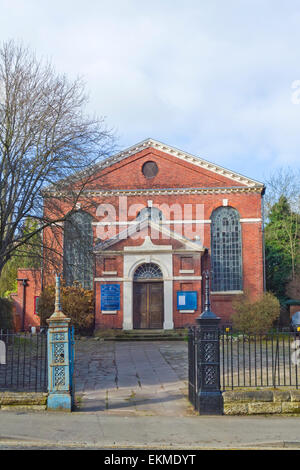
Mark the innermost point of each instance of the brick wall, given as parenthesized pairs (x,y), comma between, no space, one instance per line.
(32,291)
(173,173)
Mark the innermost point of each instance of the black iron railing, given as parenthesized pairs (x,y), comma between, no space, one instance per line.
(23,361)
(259,360)
(249,360)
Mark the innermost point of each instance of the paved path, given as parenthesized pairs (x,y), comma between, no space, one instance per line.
(136,378)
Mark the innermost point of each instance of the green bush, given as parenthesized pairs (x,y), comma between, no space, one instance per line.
(255,316)
(6,317)
(76,302)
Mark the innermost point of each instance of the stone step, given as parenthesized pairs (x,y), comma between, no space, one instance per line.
(145,338)
(143,335)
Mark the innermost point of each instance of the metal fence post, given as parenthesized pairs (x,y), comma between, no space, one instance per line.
(59,384)
(192,375)
(209,396)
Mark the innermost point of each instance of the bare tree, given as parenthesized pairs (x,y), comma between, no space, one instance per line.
(45,138)
(283,182)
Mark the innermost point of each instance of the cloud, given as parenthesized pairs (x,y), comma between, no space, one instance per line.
(213,78)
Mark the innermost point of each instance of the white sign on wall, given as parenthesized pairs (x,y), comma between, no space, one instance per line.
(2,353)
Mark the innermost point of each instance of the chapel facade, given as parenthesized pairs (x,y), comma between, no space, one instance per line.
(160,218)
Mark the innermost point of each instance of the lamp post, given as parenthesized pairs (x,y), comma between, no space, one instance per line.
(209,396)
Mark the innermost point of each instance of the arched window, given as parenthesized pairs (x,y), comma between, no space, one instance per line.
(147,271)
(226,250)
(152,213)
(78,246)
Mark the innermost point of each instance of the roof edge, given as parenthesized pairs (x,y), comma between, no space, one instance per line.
(173,151)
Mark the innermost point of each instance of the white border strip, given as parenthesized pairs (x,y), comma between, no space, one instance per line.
(172,222)
(124,279)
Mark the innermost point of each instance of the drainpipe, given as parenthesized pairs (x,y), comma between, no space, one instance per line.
(263,237)
(42,262)
(24,283)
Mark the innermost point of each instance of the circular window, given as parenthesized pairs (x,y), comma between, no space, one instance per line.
(150,169)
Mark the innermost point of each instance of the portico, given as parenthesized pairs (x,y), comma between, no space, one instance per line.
(148,276)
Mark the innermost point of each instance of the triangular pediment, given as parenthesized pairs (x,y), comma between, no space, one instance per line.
(178,173)
(148,244)
(198,163)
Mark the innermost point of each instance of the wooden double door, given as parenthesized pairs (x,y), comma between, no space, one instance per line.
(148,304)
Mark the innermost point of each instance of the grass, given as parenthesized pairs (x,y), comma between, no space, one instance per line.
(131,396)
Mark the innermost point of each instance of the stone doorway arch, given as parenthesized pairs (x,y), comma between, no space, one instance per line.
(148,297)
(161,256)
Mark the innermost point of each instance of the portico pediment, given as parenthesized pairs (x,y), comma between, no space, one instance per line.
(148,245)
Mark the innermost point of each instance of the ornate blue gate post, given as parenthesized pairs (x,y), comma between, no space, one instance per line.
(59,388)
(209,399)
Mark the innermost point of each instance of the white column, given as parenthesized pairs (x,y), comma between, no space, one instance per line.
(168,305)
(127,305)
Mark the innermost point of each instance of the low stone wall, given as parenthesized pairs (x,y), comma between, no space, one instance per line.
(252,402)
(16,401)
(238,402)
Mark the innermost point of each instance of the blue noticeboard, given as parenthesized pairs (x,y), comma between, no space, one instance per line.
(110,297)
(186,300)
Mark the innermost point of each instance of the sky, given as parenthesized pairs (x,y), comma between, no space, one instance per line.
(220,80)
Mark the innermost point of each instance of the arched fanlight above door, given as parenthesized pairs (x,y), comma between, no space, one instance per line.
(147,271)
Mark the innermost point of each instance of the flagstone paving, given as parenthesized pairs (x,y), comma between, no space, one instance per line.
(132,378)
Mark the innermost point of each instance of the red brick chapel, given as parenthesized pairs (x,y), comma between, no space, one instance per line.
(160,218)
